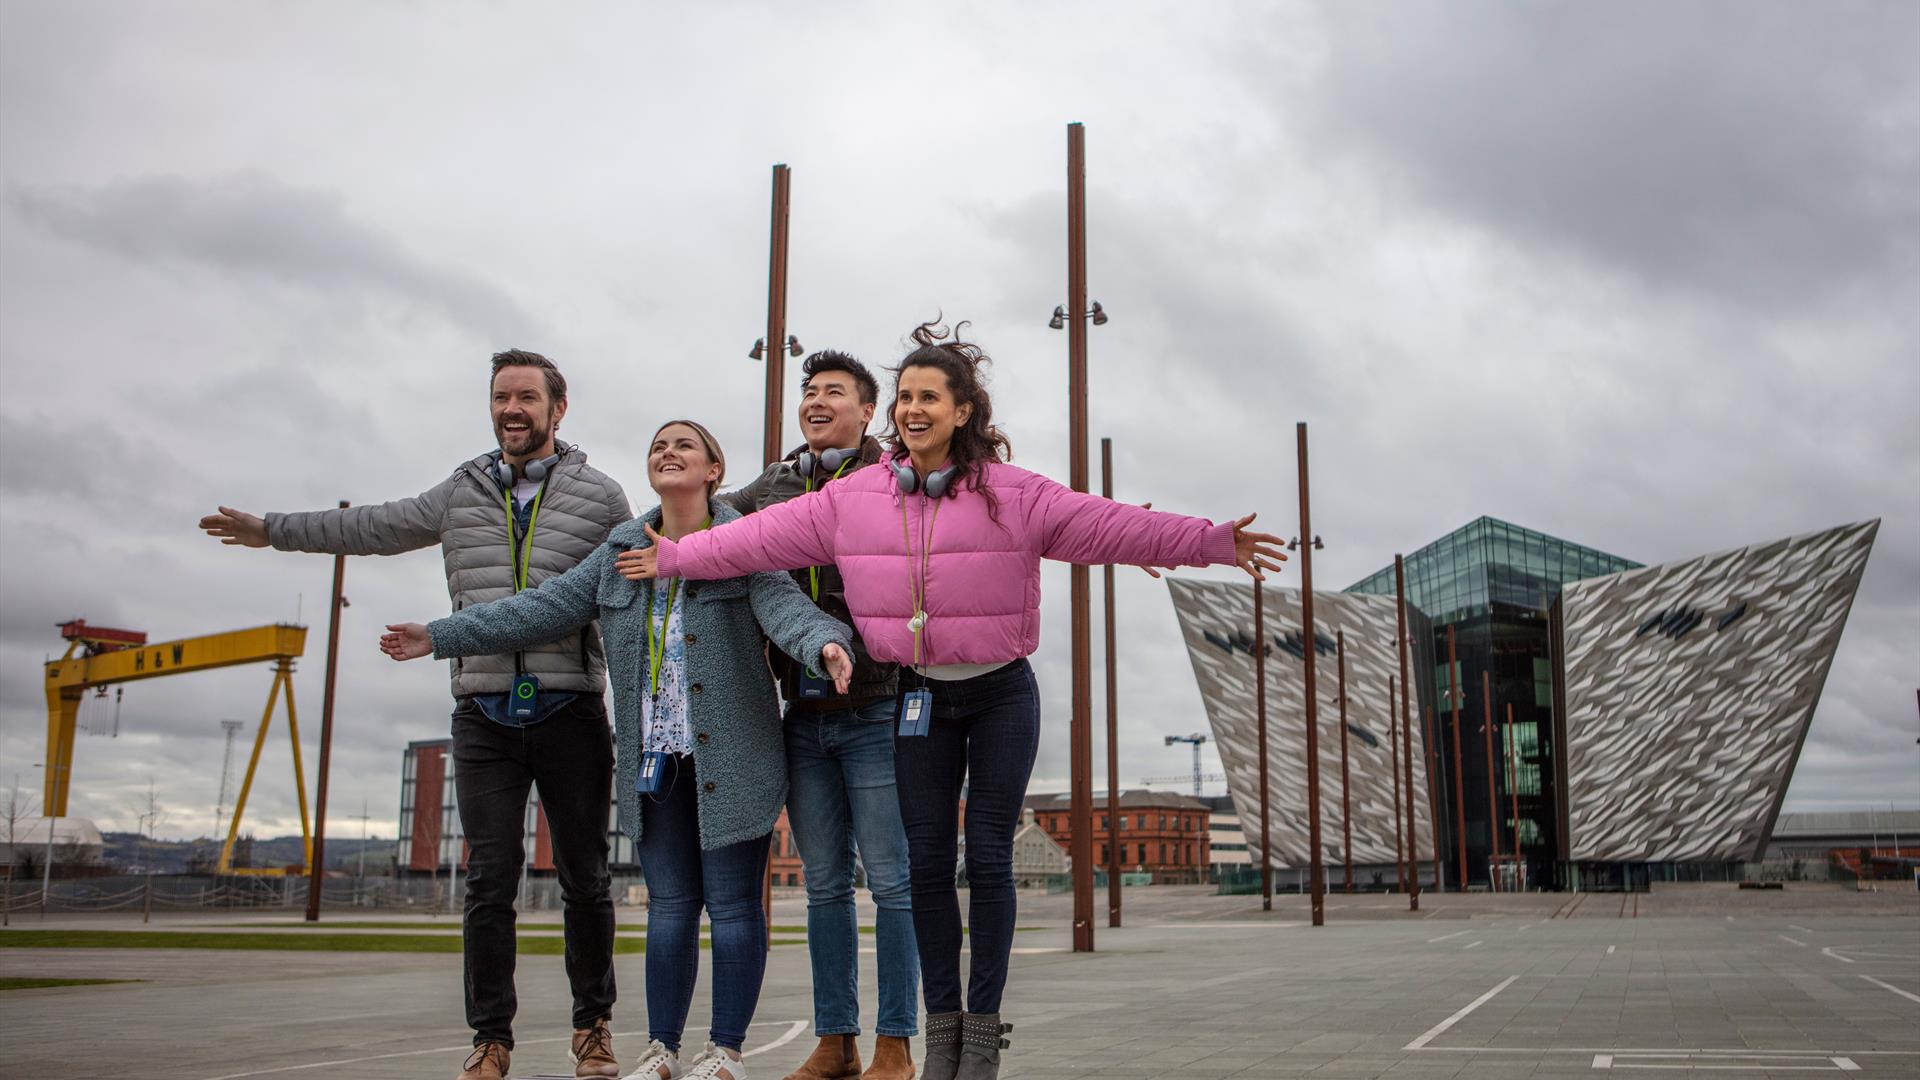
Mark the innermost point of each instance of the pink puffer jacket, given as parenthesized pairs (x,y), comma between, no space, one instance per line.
(982,578)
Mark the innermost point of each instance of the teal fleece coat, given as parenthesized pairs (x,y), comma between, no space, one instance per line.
(738,750)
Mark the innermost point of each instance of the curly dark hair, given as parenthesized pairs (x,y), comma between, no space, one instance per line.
(834,360)
(977,442)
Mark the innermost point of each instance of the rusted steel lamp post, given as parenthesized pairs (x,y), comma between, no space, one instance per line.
(316,873)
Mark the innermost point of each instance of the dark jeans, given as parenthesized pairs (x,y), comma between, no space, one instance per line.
(680,878)
(569,756)
(985,732)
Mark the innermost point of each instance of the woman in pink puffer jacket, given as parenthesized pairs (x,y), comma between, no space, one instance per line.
(940,552)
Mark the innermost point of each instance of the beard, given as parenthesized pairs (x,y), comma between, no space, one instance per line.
(539,429)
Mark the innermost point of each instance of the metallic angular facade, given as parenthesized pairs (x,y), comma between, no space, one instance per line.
(1688,690)
(1216,621)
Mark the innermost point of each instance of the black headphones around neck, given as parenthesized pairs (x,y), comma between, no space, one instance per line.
(827,461)
(534,472)
(938,483)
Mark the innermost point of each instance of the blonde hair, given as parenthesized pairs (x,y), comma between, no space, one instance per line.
(712,445)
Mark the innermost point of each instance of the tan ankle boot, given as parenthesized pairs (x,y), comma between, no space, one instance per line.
(487,1062)
(836,1058)
(892,1059)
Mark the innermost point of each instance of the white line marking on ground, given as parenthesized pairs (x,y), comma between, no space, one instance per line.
(1431,914)
(1443,937)
(1440,1028)
(1843,959)
(1475,945)
(1797,926)
(1529,926)
(793,1032)
(1610,949)
(1915,998)
(1227,925)
(1791,941)
(1766,1062)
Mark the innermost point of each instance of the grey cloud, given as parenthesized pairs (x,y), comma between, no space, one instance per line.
(1758,152)
(252,224)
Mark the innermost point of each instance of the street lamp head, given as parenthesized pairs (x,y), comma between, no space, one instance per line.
(1293,544)
(1317,545)
(759,348)
(1059,317)
(793,346)
(1099,314)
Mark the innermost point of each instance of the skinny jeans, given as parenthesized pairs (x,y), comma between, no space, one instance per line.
(982,738)
(681,878)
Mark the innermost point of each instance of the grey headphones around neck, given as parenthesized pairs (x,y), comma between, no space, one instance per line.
(827,461)
(533,471)
(938,483)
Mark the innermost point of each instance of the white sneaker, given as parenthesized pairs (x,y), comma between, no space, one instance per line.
(658,1063)
(716,1064)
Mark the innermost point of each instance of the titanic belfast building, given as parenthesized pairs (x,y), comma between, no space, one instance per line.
(1610,722)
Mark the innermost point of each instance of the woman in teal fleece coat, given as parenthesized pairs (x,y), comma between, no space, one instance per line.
(708,704)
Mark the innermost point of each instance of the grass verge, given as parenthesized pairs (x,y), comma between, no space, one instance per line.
(529,945)
(38,984)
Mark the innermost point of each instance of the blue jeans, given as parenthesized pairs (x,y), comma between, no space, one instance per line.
(984,734)
(681,877)
(841,796)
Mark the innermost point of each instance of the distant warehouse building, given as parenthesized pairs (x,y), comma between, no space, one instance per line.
(1160,834)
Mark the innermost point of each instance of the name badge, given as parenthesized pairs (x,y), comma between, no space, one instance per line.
(916,712)
(813,687)
(653,766)
(523,702)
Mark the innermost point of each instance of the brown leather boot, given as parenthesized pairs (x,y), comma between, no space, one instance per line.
(836,1058)
(892,1059)
(487,1062)
(592,1051)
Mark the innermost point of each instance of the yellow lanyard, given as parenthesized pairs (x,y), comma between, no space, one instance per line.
(813,572)
(520,552)
(657,641)
(918,592)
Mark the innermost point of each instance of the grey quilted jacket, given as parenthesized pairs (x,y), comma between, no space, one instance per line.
(738,749)
(466,514)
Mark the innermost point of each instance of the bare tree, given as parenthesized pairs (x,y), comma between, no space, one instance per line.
(152,813)
(17,807)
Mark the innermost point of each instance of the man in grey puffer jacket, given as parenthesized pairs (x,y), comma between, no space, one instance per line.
(505,521)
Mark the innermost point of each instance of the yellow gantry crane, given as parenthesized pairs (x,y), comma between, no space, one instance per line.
(107,656)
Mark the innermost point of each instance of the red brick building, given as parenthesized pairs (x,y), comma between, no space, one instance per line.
(1160,833)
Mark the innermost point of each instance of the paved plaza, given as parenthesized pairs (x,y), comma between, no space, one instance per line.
(1700,978)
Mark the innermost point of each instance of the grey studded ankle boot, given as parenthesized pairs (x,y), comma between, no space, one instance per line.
(980,1046)
(943,1047)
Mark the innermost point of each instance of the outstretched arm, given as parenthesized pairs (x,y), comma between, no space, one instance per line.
(560,606)
(795,534)
(384,529)
(1082,528)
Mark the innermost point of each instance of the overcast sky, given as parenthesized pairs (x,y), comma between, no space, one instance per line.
(1645,276)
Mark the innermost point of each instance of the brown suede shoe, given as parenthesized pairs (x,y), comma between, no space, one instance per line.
(836,1058)
(593,1051)
(892,1059)
(487,1062)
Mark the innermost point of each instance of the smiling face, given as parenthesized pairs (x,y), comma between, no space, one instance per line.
(831,413)
(678,461)
(924,412)
(524,417)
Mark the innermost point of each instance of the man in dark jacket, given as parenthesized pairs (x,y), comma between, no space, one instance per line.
(840,760)
(505,521)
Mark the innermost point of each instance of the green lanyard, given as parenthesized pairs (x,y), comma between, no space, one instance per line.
(521,551)
(813,572)
(657,639)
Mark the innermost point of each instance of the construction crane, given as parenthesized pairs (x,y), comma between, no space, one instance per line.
(101,656)
(1212,777)
(1197,740)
